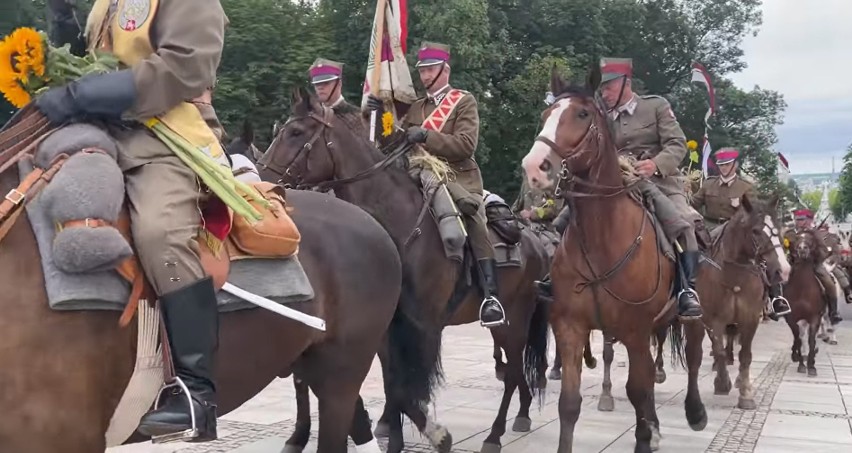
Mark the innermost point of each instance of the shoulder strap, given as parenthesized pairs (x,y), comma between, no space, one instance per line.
(438,118)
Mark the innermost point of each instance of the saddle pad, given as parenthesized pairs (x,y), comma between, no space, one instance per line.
(281,280)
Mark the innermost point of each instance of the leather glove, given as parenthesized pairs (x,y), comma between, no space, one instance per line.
(416,134)
(374,103)
(92,97)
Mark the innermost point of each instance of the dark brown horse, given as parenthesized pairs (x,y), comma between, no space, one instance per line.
(608,275)
(316,147)
(807,302)
(734,294)
(64,372)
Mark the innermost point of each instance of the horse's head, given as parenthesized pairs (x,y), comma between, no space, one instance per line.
(756,237)
(244,144)
(301,151)
(804,247)
(573,134)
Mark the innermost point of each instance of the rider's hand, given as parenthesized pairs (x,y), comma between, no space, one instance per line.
(526,214)
(416,134)
(92,97)
(646,167)
(374,103)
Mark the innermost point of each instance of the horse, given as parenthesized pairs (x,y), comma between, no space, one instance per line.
(607,275)
(317,148)
(732,287)
(807,302)
(64,372)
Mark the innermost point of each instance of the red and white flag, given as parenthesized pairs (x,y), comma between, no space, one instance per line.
(392,79)
(700,75)
(706,151)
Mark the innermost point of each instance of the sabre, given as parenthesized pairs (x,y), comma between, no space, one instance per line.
(260,301)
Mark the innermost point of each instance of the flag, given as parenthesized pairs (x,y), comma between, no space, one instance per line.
(700,75)
(706,150)
(783,161)
(392,78)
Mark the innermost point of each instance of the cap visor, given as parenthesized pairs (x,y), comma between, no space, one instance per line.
(723,162)
(427,62)
(324,78)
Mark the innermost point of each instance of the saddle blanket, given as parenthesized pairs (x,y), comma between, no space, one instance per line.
(281,280)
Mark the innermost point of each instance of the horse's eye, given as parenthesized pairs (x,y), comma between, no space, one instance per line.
(584,114)
(295,132)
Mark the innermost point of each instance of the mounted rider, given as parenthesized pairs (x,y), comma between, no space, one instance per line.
(718,200)
(644,128)
(446,124)
(170,50)
(539,208)
(804,222)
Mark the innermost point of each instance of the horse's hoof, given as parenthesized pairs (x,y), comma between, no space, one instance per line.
(833,342)
(592,363)
(521,425)
(825,339)
(555,374)
(439,437)
(490,448)
(382,430)
(702,420)
(606,404)
(722,388)
(288,448)
(660,377)
(746,404)
(802,368)
(812,372)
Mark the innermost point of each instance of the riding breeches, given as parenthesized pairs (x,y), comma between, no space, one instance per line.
(672,209)
(841,277)
(826,282)
(477,231)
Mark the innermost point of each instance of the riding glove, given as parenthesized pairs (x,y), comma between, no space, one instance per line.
(374,103)
(416,134)
(92,97)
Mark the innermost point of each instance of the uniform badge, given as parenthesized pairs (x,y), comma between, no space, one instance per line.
(735,202)
(133,14)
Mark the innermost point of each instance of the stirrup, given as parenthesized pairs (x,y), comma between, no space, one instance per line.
(180,436)
(491,324)
(783,312)
(695,294)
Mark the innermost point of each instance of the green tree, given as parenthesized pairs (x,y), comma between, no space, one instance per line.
(812,199)
(843,205)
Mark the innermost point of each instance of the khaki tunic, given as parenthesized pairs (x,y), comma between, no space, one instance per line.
(717,201)
(456,143)
(164,195)
(652,132)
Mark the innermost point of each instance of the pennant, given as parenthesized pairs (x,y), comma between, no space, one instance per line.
(700,75)
(706,150)
(393,78)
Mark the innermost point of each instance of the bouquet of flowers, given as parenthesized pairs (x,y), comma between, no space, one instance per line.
(29,65)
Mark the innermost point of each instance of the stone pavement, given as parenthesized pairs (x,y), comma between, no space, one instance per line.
(795,412)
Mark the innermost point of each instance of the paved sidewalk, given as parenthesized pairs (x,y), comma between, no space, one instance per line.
(795,412)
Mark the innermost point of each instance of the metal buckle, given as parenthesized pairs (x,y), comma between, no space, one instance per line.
(180,436)
(15,196)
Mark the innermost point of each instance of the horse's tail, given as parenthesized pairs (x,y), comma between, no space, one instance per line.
(676,339)
(535,351)
(414,353)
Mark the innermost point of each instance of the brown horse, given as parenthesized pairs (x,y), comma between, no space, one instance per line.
(64,372)
(807,302)
(733,294)
(316,147)
(607,275)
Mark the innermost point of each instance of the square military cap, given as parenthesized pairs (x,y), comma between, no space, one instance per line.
(432,53)
(726,155)
(614,68)
(325,70)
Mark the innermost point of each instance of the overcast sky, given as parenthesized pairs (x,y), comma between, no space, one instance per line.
(804,51)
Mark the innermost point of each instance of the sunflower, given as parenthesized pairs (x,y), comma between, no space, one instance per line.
(692,145)
(14,92)
(30,50)
(21,56)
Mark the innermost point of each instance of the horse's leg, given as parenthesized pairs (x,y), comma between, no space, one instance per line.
(302,431)
(660,373)
(746,331)
(383,424)
(514,357)
(556,372)
(606,403)
(591,361)
(722,383)
(438,435)
(696,415)
(795,350)
(360,431)
(337,392)
(729,345)
(812,329)
(640,389)
(803,331)
(499,366)
(570,338)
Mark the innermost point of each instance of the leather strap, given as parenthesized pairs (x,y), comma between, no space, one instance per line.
(12,206)
(87,223)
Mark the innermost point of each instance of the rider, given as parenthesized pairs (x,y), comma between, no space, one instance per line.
(451,132)
(719,198)
(327,78)
(834,244)
(539,208)
(804,221)
(645,128)
(169,50)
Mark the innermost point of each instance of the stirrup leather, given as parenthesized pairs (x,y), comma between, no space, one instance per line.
(783,312)
(491,324)
(180,436)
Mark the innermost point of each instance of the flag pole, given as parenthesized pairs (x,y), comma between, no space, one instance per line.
(376,76)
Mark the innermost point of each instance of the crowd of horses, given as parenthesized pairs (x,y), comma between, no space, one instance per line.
(385,288)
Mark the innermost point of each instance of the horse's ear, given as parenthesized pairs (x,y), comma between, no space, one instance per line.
(248,132)
(557,85)
(746,204)
(593,80)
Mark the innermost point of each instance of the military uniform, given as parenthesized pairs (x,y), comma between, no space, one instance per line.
(543,208)
(645,128)
(833,244)
(324,71)
(170,51)
(719,198)
(822,253)
(456,143)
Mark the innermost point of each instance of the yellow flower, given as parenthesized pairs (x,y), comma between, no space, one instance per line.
(30,50)
(21,56)
(387,124)
(14,92)
(692,145)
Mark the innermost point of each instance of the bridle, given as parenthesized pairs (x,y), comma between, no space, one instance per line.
(291,179)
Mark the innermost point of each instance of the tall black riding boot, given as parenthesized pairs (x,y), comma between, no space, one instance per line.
(779,304)
(491,312)
(191,318)
(687,300)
